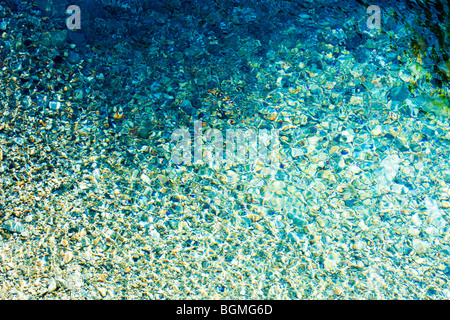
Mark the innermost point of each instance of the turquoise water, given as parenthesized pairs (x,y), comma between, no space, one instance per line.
(224,150)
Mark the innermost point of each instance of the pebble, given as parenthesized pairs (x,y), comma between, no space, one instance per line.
(348,135)
(376,131)
(296,152)
(74,57)
(193,51)
(20,141)
(97,174)
(329,264)
(13,226)
(278,187)
(399,93)
(177,55)
(186,105)
(145,178)
(445,204)
(67,257)
(162,178)
(51,285)
(362,226)
(83,186)
(414,232)
(416,220)
(355,169)
(338,291)
(419,246)
(134,174)
(54,105)
(102,291)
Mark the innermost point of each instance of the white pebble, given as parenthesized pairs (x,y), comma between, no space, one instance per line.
(51,285)
(145,178)
(83,186)
(376,131)
(355,169)
(363,226)
(414,232)
(420,246)
(416,220)
(102,291)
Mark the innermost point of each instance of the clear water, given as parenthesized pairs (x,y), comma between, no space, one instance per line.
(225,149)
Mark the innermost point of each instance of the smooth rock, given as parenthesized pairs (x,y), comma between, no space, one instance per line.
(177,55)
(187,107)
(102,291)
(376,131)
(445,204)
(52,285)
(74,57)
(3,25)
(67,257)
(398,93)
(193,51)
(13,226)
(363,226)
(419,246)
(145,178)
(416,220)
